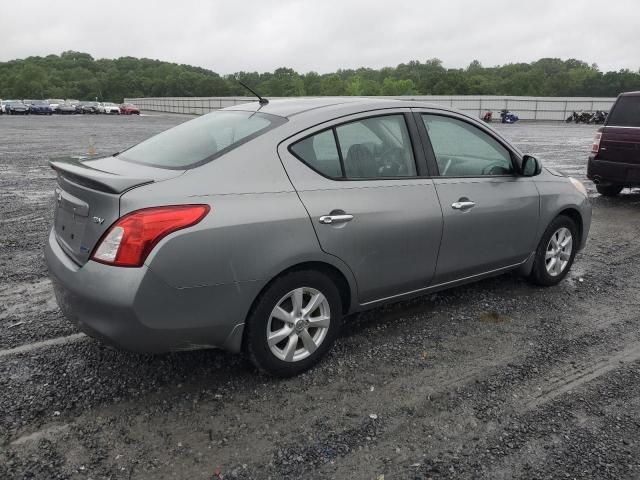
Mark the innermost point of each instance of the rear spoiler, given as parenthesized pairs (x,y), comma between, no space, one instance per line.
(76,171)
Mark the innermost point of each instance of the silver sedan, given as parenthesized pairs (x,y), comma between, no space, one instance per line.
(257,228)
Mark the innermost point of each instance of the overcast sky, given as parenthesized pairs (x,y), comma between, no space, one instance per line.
(324,35)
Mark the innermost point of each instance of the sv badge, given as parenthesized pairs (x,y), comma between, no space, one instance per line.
(98,220)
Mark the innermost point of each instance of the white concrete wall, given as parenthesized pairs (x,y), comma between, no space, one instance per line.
(527,108)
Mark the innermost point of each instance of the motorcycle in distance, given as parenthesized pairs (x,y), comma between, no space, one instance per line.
(507,117)
(488,116)
(573,117)
(598,117)
(583,117)
(587,117)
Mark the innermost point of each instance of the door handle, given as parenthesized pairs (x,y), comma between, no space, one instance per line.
(333,219)
(463,205)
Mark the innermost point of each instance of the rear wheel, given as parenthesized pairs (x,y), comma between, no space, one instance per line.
(294,323)
(609,190)
(556,252)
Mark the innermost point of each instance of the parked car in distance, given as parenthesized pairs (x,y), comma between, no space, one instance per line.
(129,109)
(40,107)
(66,109)
(90,107)
(15,107)
(1,106)
(258,227)
(111,108)
(614,162)
(54,103)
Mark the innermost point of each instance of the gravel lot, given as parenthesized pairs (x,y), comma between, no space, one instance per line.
(494,380)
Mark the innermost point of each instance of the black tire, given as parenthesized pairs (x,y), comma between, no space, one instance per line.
(255,335)
(609,190)
(539,274)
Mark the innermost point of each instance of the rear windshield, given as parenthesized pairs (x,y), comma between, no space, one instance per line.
(625,113)
(202,139)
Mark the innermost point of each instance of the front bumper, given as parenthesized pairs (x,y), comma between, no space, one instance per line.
(134,309)
(605,172)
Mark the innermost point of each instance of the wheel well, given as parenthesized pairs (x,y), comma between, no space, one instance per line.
(574,215)
(329,270)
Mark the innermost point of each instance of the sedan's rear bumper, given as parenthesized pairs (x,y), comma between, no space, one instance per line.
(134,309)
(605,172)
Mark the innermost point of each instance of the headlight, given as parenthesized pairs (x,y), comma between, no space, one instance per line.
(579,186)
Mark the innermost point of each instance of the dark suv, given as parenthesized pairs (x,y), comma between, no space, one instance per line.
(615,160)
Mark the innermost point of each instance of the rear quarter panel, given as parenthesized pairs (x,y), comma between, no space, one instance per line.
(257,226)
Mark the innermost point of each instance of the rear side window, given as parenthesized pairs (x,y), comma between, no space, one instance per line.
(200,140)
(320,153)
(625,113)
(375,147)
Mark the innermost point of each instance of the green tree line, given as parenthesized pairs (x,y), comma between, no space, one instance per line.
(79,75)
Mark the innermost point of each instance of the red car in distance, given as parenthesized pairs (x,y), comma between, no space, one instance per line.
(129,109)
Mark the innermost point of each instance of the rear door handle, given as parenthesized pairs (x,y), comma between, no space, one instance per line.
(333,219)
(463,205)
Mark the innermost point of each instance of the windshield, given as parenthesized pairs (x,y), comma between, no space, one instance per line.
(626,112)
(202,139)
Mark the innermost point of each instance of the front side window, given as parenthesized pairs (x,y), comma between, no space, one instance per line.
(462,150)
(375,147)
(199,140)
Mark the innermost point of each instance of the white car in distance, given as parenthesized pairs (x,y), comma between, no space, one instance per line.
(110,107)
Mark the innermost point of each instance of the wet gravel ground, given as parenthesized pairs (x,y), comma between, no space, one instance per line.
(499,379)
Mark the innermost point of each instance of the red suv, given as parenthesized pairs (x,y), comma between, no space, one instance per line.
(615,160)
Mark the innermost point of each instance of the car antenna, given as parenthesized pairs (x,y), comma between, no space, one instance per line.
(261,100)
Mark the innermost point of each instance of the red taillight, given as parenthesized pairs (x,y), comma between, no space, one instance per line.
(595,148)
(130,240)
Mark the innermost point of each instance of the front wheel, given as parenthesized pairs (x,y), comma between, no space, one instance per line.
(609,190)
(294,323)
(556,252)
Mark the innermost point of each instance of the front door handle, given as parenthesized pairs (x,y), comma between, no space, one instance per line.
(463,205)
(333,219)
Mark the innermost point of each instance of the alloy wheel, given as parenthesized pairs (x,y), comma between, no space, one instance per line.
(298,324)
(558,251)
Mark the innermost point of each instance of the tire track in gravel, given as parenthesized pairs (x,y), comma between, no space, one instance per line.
(500,394)
(585,371)
(576,436)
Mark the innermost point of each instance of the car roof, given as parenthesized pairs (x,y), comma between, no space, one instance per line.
(330,105)
(630,94)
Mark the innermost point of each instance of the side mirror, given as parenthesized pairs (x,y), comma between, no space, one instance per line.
(531,166)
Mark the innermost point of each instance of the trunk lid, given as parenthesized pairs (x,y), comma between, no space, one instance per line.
(88,198)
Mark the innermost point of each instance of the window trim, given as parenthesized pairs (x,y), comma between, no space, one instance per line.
(418,159)
(431,156)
